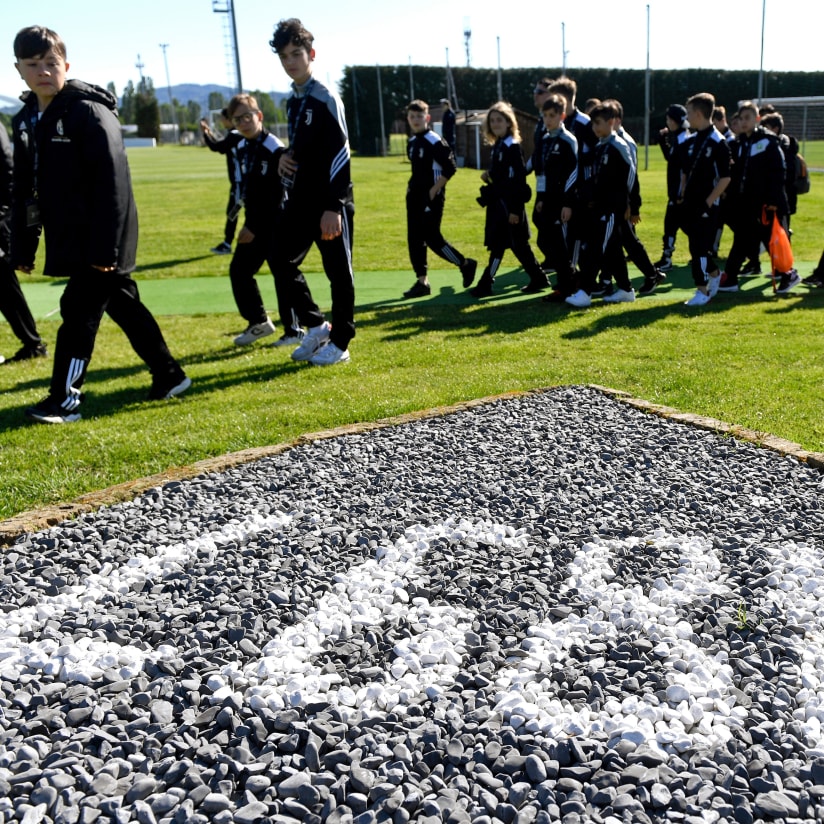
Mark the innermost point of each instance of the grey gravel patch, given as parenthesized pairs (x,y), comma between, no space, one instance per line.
(549,608)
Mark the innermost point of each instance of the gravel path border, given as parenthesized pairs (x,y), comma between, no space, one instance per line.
(37,519)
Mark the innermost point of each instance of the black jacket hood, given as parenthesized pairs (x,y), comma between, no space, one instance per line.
(81,89)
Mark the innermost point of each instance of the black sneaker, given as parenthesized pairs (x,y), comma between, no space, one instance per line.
(665,264)
(556,296)
(168,385)
(52,410)
(29,352)
(535,286)
(222,249)
(482,290)
(418,290)
(789,280)
(603,289)
(650,283)
(752,269)
(468,270)
(729,283)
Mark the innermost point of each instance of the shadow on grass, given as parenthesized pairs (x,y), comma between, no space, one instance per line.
(98,403)
(166,264)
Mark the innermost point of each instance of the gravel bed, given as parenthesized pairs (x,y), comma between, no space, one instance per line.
(548,608)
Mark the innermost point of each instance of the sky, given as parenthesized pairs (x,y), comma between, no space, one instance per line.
(105,37)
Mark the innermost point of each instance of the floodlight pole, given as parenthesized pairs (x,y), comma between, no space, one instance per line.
(646,102)
(411,80)
(500,77)
(165,46)
(228,7)
(761,67)
(380,111)
(563,50)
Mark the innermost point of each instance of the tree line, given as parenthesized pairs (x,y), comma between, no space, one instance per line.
(478,88)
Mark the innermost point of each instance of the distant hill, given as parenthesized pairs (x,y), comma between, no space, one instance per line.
(183,93)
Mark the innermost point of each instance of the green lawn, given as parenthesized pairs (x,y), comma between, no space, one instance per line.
(751,359)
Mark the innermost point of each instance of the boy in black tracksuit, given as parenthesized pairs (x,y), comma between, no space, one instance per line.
(71,178)
(227,146)
(705,176)
(433,164)
(12,300)
(580,125)
(540,92)
(556,179)
(670,140)
(259,191)
(758,191)
(607,211)
(318,205)
(636,251)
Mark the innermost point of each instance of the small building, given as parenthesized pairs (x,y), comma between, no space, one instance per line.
(471,149)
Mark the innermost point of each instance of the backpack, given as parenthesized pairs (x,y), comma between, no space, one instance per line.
(802,175)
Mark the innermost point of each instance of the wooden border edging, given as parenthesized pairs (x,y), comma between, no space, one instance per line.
(36,520)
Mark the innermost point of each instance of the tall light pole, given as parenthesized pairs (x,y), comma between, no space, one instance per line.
(411,80)
(165,46)
(761,66)
(646,101)
(467,38)
(228,7)
(500,76)
(564,51)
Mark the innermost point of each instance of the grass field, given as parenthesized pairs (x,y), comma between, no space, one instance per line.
(751,359)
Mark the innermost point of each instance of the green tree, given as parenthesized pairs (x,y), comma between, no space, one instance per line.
(127,105)
(217,101)
(192,114)
(266,104)
(147,111)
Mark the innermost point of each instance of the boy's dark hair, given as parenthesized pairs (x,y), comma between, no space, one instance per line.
(773,120)
(544,82)
(719,113)
(554,103)
(702,102)
(591,103)
(767,108)
(604,111)
(241,100)
(36,40)
(616,104)
(566,87)
(418,106)
(748,106)
(291,32)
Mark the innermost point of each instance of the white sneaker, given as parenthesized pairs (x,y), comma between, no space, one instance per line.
(292,338)
(316,337)
(580,300)
(255,332)
(698,299)
(329,354)
(713,285)
(620,296)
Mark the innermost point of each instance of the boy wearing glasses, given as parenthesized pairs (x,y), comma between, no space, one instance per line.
(318,206)
(71,180)
(258,191)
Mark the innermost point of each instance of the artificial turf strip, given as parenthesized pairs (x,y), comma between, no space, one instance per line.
(213,295)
